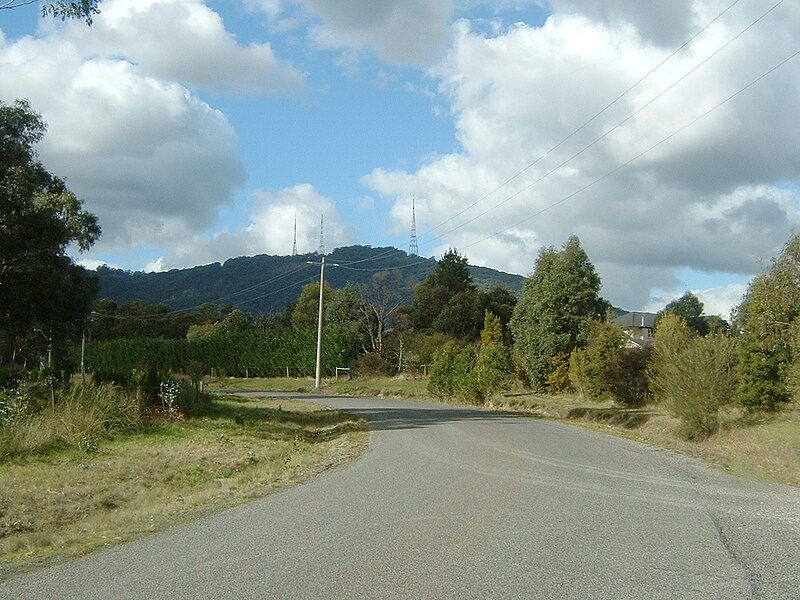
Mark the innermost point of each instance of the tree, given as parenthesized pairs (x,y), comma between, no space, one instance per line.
(500,302)
(690,309)
(63,9)
(672,336)
(382,297)
(764,322)
(557,301)
(494,360)
(452,364)
(40,286)
(306,312)
(700,379)
(449,278)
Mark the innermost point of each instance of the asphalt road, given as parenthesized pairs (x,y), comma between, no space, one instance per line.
(459,503)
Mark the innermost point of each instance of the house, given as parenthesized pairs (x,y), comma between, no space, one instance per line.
(637,327)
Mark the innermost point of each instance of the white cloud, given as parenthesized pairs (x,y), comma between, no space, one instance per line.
(150,158)
(92,264)
(716,301)
(184,40)
(270,230)
(712,198)
(405,32)
(154,266)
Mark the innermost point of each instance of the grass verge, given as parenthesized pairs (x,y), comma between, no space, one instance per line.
(763,447)
(58,504)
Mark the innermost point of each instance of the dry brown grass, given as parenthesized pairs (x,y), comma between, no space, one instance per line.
(62,503)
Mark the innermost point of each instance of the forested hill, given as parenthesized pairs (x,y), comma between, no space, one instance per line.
(231,281)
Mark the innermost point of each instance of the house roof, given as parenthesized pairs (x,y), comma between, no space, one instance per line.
(637,319)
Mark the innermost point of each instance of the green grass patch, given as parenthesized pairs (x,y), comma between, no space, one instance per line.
(62,502)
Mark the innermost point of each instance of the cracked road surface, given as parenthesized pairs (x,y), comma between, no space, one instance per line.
(452,502)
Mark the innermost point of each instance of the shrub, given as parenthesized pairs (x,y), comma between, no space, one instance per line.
(627,377)
(493,372)
(699,380)
(371,364)
(558,380)
(578,375)
(449,368)
(84,411)
(602,350)
(672,336)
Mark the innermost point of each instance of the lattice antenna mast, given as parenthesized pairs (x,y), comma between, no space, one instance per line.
(322,235)
(413,247)
(294,239)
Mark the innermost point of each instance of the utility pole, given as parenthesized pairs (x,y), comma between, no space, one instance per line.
(319,321)
(83,354)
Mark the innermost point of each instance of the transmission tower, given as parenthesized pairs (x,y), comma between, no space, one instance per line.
(321,235)
(413,248)
(294,239)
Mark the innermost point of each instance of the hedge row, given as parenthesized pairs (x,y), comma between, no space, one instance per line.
(265,354)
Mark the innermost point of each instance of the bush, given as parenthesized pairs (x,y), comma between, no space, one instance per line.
(85,411)
(672,336)
(578,375)
(449,369)
(601,354)
(261,354)
(700,380)
(493,372)
(371,364)
(627,377)
(558,380)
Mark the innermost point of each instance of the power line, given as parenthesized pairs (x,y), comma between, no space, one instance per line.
(590,120)
(617,126)
(628,162)
(593,117)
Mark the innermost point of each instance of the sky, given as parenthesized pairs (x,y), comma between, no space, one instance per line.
(664,135)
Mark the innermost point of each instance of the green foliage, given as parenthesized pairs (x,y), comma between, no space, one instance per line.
(602,350)
(494,361)
(627,377)
(558,380)
(72,9)
(700,379)
(420,347)
(40,286)
(689,308)
(306,311)
(764,322)
(261,354)
(557,300)
(448,300)
(672,336)
(578,374)
(451,365)
(83,412)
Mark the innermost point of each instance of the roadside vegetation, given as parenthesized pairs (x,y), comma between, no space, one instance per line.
(139,444)
(105,465)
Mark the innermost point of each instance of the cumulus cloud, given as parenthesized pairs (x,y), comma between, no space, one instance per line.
(184,40)
(664,23)
(712,198)
(716,301)
(405,32)
(150,158)
(270,230)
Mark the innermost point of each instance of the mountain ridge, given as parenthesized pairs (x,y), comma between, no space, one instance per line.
(265,283)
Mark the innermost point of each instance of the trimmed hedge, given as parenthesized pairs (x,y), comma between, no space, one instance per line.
(266,354)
